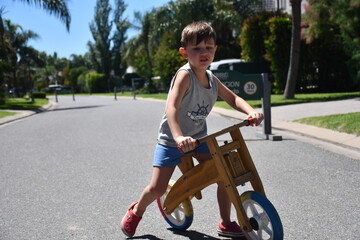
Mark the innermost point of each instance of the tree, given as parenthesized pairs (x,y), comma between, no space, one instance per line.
(139,49)
(57,7)
(106,50)
(18,38)
(335,24)
(293,70)
(227,18)
(100,29)
(7,55)
(144,36)
(167,61)
(165,24)
(119,38)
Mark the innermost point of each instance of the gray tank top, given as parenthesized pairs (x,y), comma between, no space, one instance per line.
(194,108)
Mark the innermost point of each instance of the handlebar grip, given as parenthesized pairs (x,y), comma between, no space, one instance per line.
(250,121)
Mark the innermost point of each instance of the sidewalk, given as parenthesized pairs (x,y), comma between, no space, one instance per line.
(282,117)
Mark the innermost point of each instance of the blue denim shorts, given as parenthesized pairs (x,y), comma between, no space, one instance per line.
(165,156)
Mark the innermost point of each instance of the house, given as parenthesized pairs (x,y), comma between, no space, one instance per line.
(272,5)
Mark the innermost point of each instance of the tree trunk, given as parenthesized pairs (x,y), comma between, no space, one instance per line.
(294,51)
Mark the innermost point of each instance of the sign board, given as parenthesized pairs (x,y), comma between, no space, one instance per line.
(247,86)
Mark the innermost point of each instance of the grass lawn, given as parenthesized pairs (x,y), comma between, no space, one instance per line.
(347,123)
(277,99)
(6,113)
(23,104)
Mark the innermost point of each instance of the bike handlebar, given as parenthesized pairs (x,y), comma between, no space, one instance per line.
(246,122)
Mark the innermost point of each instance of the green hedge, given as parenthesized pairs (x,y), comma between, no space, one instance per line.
(265,38)
(39,95)
(278,50)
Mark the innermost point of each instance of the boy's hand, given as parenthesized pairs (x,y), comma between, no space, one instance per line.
(257,116)
(185,144)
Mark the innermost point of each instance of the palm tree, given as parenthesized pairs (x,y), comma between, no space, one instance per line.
(17,39)
(145,27)
(57,7)
(7,56)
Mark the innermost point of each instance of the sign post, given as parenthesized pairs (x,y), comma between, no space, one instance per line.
(251,87)
(133,84)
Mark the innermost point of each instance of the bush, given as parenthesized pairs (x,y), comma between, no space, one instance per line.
(95,82)
(265,38)
(39,95)
(254,32)
(166,62)
(278,50)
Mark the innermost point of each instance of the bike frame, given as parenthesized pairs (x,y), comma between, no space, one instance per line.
(231,164)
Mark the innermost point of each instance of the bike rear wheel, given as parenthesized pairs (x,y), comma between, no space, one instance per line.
(181,218)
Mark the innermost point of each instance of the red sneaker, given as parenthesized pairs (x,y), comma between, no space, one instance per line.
(130,221)
(232,230)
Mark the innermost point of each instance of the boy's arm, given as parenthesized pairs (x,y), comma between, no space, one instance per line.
(238,103)
(179,88)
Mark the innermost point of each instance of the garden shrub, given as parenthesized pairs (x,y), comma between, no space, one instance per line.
(39,95)
(166,62)
(95,82)
(277,47)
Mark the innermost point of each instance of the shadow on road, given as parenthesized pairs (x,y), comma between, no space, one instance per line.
(77,108)
(146,237)
(191,235)
(195,235)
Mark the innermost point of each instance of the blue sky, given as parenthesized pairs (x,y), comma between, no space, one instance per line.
(53,34)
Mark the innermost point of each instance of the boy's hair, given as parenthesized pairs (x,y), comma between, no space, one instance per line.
(199,31)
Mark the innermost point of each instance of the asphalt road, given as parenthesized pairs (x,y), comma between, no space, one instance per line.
(72,172)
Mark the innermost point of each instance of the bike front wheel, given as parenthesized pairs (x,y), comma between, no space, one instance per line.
(181,218)
(263,217)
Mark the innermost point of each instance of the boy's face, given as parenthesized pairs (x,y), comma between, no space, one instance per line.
(199,55)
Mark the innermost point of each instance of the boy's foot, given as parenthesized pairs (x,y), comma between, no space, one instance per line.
(130,221)
(232,230)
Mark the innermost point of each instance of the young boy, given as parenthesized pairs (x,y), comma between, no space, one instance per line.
(192,94)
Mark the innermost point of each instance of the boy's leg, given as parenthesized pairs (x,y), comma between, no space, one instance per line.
(224,204)
(226,227)
(157,187)
(222,197)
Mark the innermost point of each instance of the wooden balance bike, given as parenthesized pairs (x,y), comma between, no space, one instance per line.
(231,163)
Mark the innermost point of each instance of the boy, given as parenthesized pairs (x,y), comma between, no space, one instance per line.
(193,93)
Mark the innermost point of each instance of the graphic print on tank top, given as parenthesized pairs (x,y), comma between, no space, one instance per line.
(200,114)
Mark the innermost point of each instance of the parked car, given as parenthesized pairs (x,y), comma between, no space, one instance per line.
(60,88)
(226,64)
(241,66)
